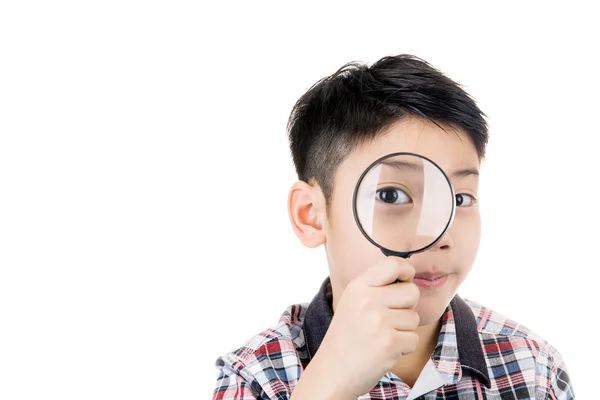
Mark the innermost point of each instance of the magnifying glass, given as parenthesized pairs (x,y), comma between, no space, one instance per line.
(403,203)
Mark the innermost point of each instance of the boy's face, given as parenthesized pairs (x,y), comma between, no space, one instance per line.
(348,251)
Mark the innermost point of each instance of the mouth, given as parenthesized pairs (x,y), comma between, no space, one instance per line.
(430,280)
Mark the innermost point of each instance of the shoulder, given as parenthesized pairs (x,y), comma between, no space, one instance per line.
(511,346)
(275,352)
(501,333)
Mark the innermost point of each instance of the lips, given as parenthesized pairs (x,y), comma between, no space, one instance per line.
(430,284)
(430,276)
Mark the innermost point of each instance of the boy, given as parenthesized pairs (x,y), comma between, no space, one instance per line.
(386,327)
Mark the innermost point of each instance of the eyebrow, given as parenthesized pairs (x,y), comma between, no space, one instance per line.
(407,165)
(463,173)
(403,165)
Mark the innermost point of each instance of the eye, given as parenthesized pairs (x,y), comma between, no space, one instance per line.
(464,200)
(392,196)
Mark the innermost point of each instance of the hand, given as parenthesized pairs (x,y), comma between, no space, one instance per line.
(373,326)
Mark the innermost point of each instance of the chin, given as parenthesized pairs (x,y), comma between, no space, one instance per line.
(431,309)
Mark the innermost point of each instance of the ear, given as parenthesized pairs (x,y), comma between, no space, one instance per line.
(306,209)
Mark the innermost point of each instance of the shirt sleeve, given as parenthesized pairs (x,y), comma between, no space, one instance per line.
(560,382)
(232,384)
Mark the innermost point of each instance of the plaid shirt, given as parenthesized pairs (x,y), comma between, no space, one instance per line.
(480,354)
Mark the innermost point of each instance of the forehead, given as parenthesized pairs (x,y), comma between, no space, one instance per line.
(450,148)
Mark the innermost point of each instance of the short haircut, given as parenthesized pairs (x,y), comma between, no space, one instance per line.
(358,102)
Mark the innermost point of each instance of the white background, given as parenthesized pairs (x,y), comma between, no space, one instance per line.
(144,173)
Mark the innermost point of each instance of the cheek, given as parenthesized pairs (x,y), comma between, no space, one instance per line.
(466,231)
(349,253)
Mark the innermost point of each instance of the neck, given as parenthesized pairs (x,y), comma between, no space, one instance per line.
(409,367)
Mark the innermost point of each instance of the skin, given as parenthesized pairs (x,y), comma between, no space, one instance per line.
(350,255)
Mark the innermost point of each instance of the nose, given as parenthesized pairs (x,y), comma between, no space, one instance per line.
(445,243)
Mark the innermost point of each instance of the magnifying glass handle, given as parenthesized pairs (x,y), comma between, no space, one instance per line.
(401,254)
(394,254)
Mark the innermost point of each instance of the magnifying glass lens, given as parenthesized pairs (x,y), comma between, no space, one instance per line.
(404,203)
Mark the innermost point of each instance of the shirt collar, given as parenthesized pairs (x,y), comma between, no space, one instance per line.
(459,334)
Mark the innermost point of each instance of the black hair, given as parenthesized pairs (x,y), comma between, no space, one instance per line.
(358,102)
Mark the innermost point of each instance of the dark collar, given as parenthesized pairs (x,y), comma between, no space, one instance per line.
(319,315)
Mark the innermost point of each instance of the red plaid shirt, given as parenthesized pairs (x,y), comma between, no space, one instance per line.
(480,355)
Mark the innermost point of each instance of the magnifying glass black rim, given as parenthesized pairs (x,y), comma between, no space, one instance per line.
(385,250)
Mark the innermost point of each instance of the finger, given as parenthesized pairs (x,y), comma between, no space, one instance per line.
(403,320)
(403,295)
(388,271)
(407,341)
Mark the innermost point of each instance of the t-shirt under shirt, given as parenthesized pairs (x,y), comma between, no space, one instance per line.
(480,354)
